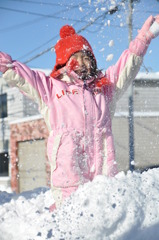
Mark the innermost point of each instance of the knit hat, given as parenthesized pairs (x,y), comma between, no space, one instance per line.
(69,44)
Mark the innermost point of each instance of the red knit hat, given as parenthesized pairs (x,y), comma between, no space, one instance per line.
(69,44)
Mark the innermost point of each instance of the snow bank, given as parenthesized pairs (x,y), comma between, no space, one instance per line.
(121,208)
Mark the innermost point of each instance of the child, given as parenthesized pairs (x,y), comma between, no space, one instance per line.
(77,102)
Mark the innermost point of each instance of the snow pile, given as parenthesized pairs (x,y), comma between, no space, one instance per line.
(121,208)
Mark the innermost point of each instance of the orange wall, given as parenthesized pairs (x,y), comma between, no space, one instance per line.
(25,131)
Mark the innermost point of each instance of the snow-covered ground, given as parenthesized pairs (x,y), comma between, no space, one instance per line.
(122,208)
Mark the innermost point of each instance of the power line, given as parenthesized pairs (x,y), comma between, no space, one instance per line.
(28,23)
(46,16)
(138,11)
(22,25)
(37,48)
(41,15)
(53,38)
(113,10)
(42,45)
(46,3)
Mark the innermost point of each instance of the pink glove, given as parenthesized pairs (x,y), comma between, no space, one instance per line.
(5,62)
(149,31)
(72,65)
(145,34)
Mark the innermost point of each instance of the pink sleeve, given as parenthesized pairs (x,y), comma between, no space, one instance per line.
(139,47)
(128,64)
(32,83)
(114,71)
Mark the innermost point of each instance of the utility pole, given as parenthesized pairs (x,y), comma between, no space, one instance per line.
(131,102)
(2,116)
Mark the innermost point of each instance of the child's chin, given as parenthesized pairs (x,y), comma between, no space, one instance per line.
(83,76)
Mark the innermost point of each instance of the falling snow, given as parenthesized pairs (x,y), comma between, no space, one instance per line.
(109,57)
(111,43)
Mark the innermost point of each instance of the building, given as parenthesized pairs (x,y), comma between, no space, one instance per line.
(23,135)
(146,124)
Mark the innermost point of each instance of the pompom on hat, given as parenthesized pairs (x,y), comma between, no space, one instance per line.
(69,44)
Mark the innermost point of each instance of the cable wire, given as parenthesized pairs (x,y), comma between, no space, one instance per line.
(51,39)
(113,10)
(42,15)
(46,3)
(27,23)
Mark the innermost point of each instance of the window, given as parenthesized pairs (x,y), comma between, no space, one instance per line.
(4,161)
(3,105)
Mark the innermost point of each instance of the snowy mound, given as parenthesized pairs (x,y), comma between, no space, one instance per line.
(121,208)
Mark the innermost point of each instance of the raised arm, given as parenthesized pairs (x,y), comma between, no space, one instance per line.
(33,84)
(128,65)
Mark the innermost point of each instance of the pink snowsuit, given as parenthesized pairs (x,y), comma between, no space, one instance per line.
(78,116)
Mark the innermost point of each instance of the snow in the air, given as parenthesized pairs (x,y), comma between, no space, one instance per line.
(122,208)
(109,57)
(111,43)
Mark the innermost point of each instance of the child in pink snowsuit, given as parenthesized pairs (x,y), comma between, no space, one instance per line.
(77,102)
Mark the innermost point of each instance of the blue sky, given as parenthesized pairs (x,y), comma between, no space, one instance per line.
(29,27)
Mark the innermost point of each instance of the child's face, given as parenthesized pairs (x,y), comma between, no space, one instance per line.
(84,64)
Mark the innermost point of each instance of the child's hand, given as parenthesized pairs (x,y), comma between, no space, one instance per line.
(157,18)
(72,65)
(5,62)
(145,34)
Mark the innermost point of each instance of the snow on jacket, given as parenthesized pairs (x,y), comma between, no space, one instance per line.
(79,116)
